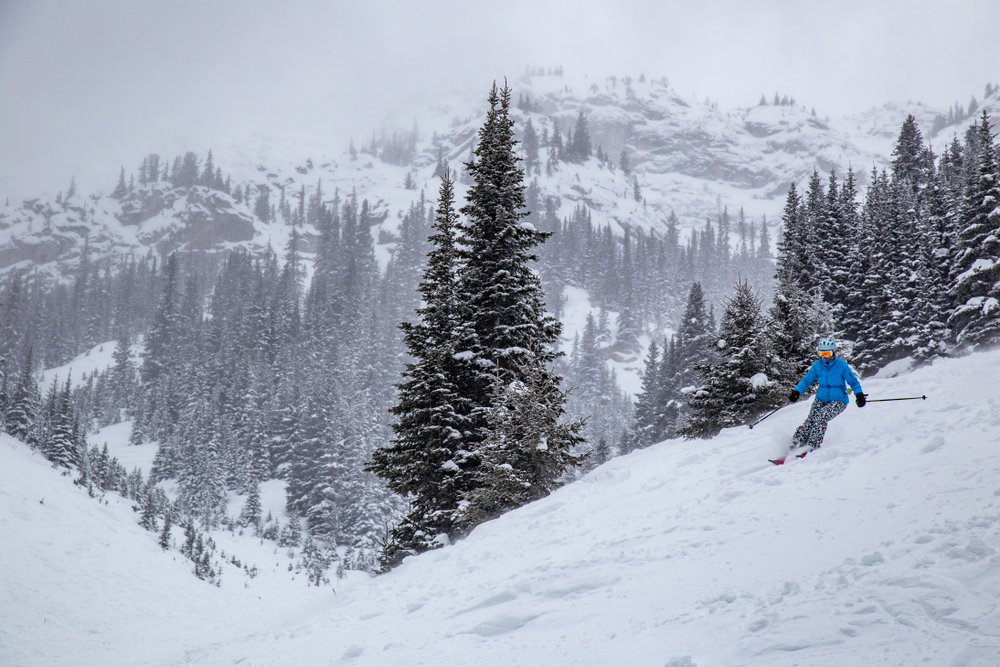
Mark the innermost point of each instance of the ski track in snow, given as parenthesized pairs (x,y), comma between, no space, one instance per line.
(882,548)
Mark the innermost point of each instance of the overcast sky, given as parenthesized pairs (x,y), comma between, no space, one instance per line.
(86,86)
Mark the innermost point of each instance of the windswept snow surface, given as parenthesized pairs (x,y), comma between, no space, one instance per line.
(882,548)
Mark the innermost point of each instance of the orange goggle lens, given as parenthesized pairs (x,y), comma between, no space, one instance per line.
(826,354)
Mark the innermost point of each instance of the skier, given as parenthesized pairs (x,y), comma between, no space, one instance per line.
(833,374)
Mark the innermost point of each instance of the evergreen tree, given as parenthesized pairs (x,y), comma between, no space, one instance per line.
(939,246)
(24,405)
(122,380)
(202,475)
(315,562)
(483,327)
(976,273)
(207,178)
(503,295)
(61,444)
(812,251)
(291,534)
(305,484)
(669,398)
(693,335)
(832,244)
(441,167)
(884,214)
(579,148)
(186,172)
(646,401)
(629,326)
(798,316)
(692,350)
(164,541)
(428,459)
(795,324)
(792,248)
(910,158)
(741,385)
(148,520)
(530,149)
(624,163)
(262,205)
(251,513)
(163,332)
(527,450)
(853,314)
(589,362)
(121,189)
(601,453)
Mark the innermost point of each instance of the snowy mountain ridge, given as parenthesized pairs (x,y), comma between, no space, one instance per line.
(882,548)
(685,157)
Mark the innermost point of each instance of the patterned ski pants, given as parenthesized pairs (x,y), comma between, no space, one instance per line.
(811,433)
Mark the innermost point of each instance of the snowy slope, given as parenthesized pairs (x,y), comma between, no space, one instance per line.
(82,583)
(99,358)
(880,549)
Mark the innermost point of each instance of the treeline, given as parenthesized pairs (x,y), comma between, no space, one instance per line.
(783,101)
(398,148)
(53,426)
(187,171)
(958,113)
(270,381)
(644,275)
(56,321)
(246,373)
(913,272)
(183,172)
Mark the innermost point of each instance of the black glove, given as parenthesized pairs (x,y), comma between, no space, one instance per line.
(861,399)
(794,396)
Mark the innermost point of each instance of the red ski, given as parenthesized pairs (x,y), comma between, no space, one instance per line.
(781,461)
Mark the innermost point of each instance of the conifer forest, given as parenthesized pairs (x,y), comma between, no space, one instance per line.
(403,404)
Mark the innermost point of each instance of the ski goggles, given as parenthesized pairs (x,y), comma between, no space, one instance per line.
(826,354)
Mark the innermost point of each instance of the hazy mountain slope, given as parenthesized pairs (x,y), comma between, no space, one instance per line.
(688,158)
(880,549)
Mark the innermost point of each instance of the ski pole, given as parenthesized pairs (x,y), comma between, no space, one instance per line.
(768,415)
(883,400)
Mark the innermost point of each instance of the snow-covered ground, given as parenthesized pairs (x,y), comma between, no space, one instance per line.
(883,548)
(99,358)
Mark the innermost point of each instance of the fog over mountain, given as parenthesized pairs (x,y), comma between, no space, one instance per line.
(88,88)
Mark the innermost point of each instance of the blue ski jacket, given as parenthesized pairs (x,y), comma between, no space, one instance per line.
(831,376)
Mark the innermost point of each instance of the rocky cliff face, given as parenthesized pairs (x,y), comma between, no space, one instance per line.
(195,218)
(51,235)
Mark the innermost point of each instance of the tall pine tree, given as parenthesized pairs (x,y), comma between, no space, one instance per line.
(976,274)
(505,305)
(428,460)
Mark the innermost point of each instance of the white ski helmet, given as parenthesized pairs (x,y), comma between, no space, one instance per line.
(826,344)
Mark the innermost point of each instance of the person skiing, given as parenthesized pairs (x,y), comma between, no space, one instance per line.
(833,374)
